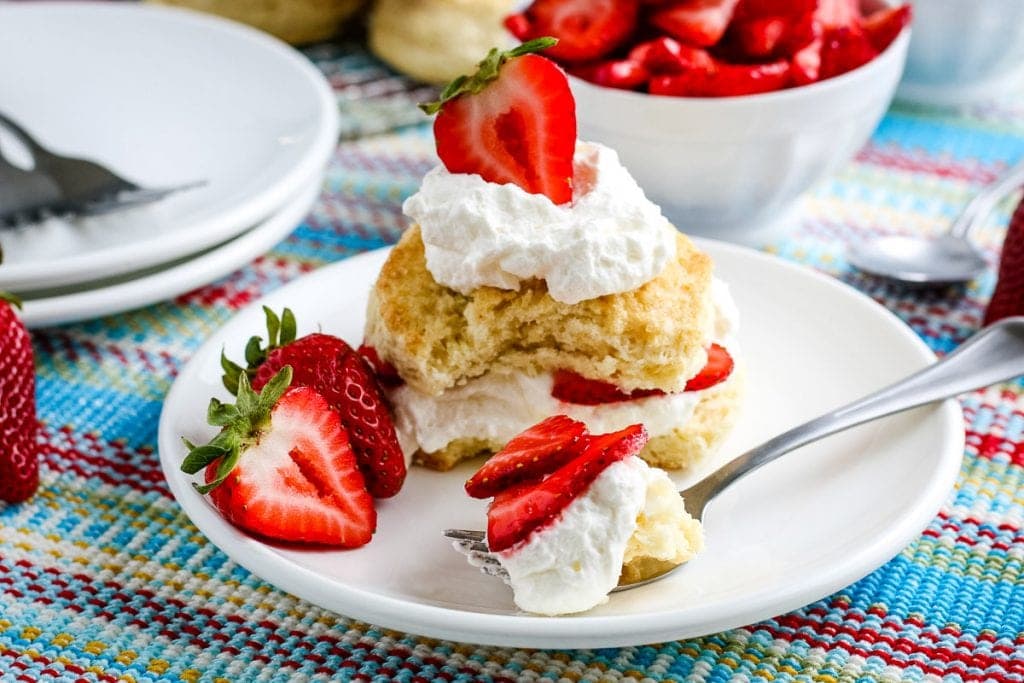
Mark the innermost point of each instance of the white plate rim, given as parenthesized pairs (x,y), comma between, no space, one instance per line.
(176,280)
(214,229)
(580,631)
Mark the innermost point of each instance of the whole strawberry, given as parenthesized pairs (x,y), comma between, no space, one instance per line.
(19,458)
(1008,298)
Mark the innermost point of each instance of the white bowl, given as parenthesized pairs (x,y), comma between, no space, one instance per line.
(727,167)
(963,50)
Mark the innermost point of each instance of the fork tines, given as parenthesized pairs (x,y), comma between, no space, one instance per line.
(472,545)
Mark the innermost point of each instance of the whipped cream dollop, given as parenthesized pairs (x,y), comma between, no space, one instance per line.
(610,239)
(502,403)
(630,509)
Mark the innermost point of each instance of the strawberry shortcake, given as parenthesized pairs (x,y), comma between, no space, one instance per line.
(537,279)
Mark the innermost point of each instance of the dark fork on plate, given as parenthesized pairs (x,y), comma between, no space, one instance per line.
(85,187)
(993,355)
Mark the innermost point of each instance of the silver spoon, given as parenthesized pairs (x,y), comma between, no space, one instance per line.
(947,259)
(993,355)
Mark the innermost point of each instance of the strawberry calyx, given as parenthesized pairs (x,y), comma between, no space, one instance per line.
(281,331)
(242,425)
(487,71)
(12,299)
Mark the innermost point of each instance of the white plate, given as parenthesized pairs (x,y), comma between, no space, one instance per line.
(785,536)
(163,96)
(161,284)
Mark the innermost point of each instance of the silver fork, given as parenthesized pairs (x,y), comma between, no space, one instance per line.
(993,355)
(86,187)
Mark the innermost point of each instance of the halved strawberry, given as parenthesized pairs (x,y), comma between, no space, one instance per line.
(329,365)
(666,55)
(540,450)
(574,388)
(701,23)
(514,121)
(760,38)
(757,9)
(281,467)
(883,26)
(517,512)
(724,80)
(845,49)
(624,74)
(806,63)
(833,14)
(586,29)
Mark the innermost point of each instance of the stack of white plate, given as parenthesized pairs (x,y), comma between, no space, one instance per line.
(163,97)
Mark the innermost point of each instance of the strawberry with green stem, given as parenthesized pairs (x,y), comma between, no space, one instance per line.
(281,466)
(513,121)
(343,377)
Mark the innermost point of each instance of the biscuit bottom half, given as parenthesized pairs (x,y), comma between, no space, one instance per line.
(703,433)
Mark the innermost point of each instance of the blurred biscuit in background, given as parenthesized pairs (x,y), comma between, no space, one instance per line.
(437,40)
(294,21)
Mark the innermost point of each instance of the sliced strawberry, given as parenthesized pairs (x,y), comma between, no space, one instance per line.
(386,373)
(666,55)
(518,25)
(571,387)
(883,26)
(1008,298)
(759,38)
(758,9)
(540,450)
(624,74)
(724,80)
(806,63)
(586,29)
(514,121)
(834,14)
(329,365)
(519,511)
(718,368)
(845,49)
(282,467)
(701,23)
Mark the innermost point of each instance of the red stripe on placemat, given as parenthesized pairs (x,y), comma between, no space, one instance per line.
(904,160)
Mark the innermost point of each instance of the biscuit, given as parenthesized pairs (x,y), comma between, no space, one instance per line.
(294,21)
(651,337)
(437,40)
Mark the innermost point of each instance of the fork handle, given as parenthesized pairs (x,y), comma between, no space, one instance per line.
(993,355)
(986,199)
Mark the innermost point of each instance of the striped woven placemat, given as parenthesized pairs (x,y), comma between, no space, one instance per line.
(102,577)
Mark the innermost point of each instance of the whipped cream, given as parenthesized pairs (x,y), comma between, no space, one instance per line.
(610,239)
(502,403)
(631,510)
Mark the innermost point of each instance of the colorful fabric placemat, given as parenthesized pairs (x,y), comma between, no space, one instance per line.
(103,578)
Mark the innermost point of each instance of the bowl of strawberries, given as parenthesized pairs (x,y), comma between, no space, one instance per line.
(726,111)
